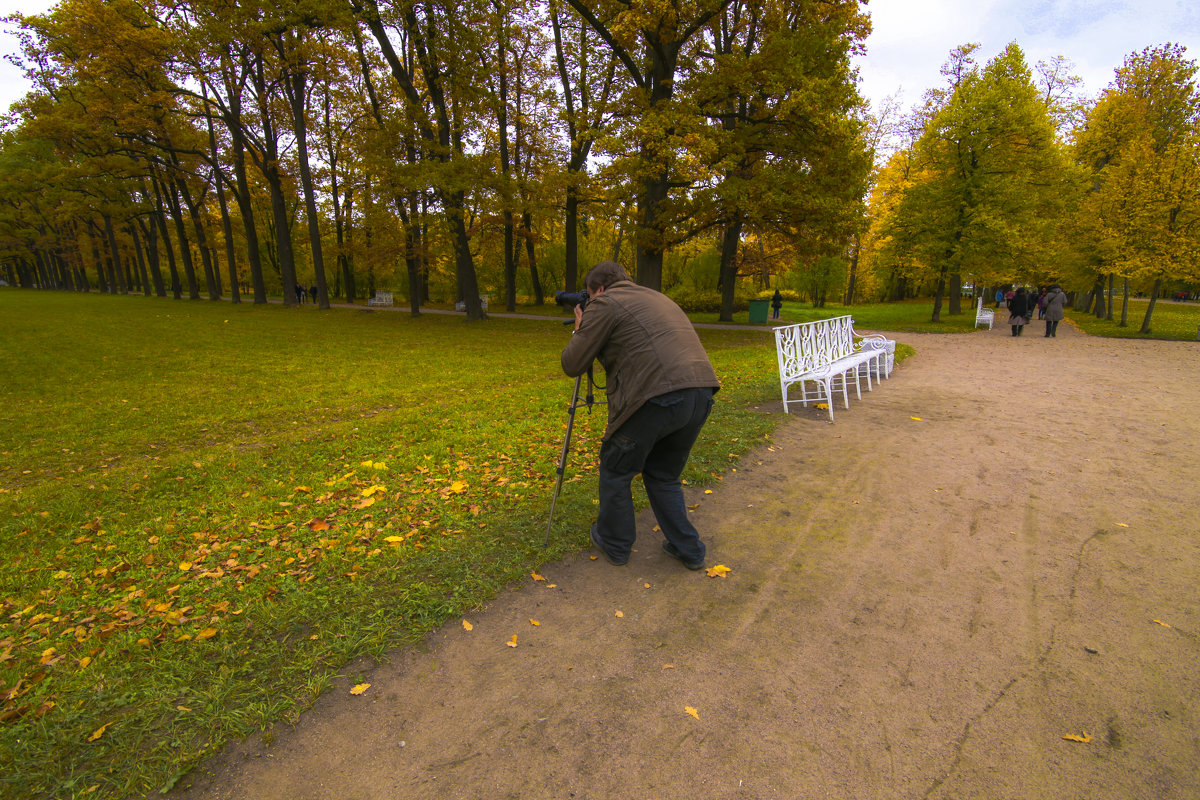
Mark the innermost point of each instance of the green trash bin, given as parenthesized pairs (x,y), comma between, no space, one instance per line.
(758,311)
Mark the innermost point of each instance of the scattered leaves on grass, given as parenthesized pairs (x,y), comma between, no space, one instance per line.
(96,734)
(719,571)
(360,688)
(318,524)
(691,711)
(1074,737)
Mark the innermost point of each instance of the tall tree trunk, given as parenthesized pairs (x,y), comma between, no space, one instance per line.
(219,180)
(161,219)
(855,249)
(185,248)
(1150,308)
(1124,305)
(115,254)
(1109,314)
(297,99)
(955,295)
(193,208)
(141,258)
(539,297)
(727,276)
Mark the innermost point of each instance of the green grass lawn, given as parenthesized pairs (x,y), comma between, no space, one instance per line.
(1170,320)
(206,510)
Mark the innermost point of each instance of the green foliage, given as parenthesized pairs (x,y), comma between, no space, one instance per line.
(1174,321)
(187,526)
(705,300)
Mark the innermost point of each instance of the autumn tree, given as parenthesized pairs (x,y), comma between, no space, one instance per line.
(988,179)
(1142,148)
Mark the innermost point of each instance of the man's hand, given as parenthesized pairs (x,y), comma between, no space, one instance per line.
(578,316)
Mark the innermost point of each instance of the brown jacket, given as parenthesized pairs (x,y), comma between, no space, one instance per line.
(645,343)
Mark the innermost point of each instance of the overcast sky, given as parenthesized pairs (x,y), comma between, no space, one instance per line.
(912,38)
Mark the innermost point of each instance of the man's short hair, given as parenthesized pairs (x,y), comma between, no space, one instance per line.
(605,274)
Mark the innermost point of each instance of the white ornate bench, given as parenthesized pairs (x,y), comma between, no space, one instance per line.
(483,303)
(380,299)
(984,315)
(825,354)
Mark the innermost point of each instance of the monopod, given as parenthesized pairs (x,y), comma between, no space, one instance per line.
(589,400)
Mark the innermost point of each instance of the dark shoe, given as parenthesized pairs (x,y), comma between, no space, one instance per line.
(616,562)
(674,553)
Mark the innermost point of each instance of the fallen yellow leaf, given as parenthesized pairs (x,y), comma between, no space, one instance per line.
(692,711)
(645,586)
(822,406)
(207,633)
(458,487)
(184,566)
(513,641)
(534,622)
(373,490)
(619,614)
(536,577)
(468,626)
(918,419)
(1121,525)
(318,524)
(96,734)
(360,688)
(719,571)
(1164,624)
(668,666)
(370,501)
(1084,739)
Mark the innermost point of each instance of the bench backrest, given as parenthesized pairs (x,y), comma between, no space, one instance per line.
(808,346)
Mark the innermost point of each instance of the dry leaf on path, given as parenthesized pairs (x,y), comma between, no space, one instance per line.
(536,577)
(1084,739)
(360,688)
(513,641)
(534,622)
(692,711)
(917,419)
(719,571)
(619,614)
(1164,624)
(468,626)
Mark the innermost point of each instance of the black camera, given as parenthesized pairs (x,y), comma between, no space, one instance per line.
(568,300)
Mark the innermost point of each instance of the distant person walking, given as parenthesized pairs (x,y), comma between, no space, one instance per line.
(999,297)
(1055,299)
(312,293)
(776,304)
(1018,310)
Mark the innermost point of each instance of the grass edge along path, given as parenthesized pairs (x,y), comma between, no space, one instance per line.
(206,511)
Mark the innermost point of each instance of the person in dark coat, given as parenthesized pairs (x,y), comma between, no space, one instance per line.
(776,304)
(660,387)
(312,293)
(1055,299)
(1018,309)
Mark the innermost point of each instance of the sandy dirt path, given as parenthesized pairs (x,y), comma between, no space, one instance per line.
(916,608)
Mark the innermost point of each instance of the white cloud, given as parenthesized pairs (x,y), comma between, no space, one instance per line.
(912,38)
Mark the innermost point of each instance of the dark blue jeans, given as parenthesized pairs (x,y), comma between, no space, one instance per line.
(656,441)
